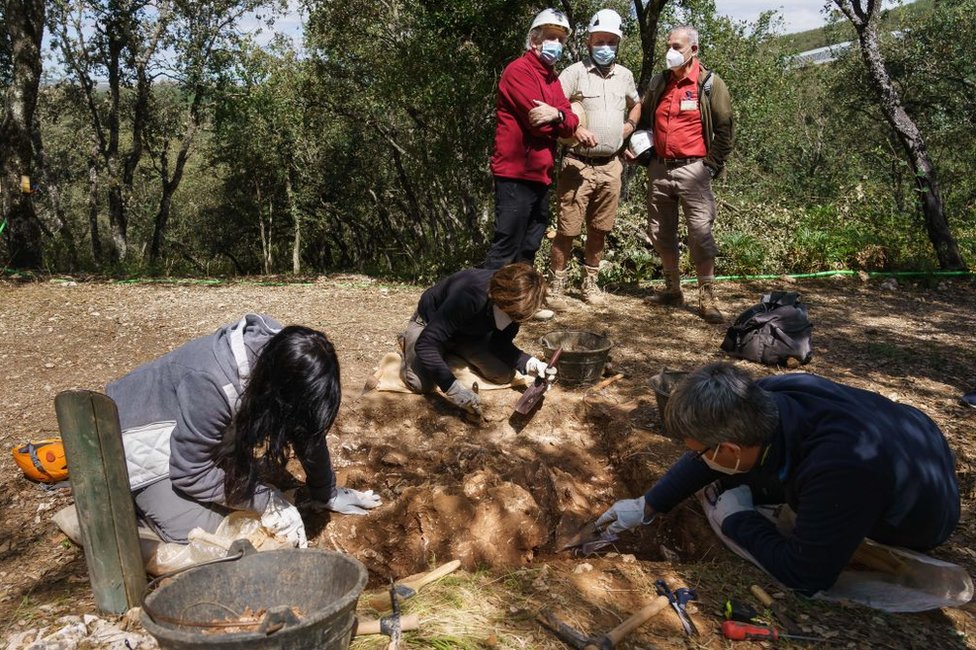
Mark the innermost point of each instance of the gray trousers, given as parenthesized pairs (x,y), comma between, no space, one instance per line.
(476,353)
(172,515)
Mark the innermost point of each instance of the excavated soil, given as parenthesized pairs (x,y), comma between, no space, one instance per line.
(504,494)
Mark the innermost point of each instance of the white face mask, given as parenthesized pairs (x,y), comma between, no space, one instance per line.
(722,468)
(675,59)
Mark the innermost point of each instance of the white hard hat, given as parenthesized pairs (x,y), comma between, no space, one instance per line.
(642,145)
(606,20)
(551,17)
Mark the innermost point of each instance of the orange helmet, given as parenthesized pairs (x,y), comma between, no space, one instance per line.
(42,460)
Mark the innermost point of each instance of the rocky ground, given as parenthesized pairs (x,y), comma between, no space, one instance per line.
(501,496)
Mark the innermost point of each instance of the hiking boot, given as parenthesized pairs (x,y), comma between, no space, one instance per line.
(671,296)
(556,293)
(708,305)
(592,293)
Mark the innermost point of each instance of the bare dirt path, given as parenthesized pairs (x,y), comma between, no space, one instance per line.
(502,496)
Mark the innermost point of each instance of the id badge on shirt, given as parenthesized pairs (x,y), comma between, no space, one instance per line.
(689,105)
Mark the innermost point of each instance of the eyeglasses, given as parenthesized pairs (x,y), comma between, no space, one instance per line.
(698,455)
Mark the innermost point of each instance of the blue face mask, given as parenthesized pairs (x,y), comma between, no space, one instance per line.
(604,54)
(551,51)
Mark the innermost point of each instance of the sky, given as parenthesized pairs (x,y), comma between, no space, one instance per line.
(797,16)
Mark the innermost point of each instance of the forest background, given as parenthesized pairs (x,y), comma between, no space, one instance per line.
(167,141)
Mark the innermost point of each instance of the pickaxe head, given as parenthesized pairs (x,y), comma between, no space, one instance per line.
(570,636)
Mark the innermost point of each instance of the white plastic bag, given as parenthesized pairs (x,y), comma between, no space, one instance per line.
(204,546)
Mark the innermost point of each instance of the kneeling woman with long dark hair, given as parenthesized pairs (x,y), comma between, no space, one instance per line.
(203,424)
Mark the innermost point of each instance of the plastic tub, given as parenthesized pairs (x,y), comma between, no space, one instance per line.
(323,585)
(583,357)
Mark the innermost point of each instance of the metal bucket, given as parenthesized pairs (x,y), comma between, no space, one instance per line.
(323,585)
(583,357)
(663,383)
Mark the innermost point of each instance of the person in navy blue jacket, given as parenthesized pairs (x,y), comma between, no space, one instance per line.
(851,464)
(474,314)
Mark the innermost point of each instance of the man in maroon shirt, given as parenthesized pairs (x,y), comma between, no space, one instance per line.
(689,110)
(532,112)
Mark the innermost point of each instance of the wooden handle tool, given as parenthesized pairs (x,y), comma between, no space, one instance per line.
(380,601)
(376,626)
(767,601)
(637,619)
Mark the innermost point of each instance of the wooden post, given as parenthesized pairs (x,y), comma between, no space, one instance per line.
(92,437)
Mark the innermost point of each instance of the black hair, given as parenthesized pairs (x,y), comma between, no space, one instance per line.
(291,398)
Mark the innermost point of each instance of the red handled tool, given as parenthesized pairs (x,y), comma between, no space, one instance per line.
(737,631)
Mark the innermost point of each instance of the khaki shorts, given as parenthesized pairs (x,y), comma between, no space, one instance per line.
(689,186)
(587,193)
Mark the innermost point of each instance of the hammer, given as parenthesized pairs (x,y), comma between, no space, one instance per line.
(579,641)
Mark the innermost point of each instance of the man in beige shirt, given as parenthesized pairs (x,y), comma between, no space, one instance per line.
(589,180)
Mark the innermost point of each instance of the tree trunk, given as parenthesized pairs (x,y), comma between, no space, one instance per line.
(25,26)
(96,241)
(648,14)
(117,218)
(51,188)
(296,249)
(909,135)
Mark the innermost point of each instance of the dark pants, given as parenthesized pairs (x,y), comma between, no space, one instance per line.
(476,353)
(521,218)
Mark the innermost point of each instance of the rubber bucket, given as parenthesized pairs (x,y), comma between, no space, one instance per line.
(322,585)
(583,357)
(663,383)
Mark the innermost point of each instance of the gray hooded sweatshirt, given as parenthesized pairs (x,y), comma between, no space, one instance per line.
(175,410)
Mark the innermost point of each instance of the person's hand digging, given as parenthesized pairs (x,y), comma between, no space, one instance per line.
(284,521)
(625,514)
(464,398)
(353,502)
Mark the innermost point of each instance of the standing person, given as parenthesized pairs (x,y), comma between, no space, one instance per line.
(850,463)
(689,109)
(203,424)
(589,182)
(474,314)
(531,113)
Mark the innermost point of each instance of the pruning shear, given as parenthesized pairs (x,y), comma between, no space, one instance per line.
(678,599)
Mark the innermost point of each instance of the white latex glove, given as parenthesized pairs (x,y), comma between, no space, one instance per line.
(539,368)
(353,502)
(463,398)
(284,520)
(732,501)
(625,514)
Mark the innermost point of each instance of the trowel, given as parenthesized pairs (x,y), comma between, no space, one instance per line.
(534,393)
(589,540)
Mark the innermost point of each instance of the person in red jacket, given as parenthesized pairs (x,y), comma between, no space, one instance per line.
(532,112)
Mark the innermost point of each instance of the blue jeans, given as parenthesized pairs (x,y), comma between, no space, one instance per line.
(521,218)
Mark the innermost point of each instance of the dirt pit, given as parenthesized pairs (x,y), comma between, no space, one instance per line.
(504,494)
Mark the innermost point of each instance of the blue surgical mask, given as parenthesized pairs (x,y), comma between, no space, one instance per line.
(604,54)
(551,51)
